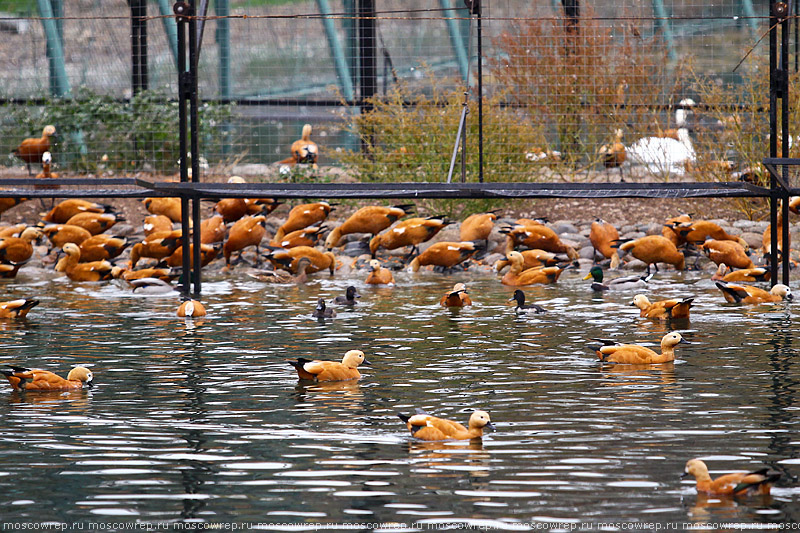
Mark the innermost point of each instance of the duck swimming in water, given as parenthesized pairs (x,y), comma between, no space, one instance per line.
(624,283)
(331,370)
(523,308)
(321,311)
(349,297)
(633,354)
(426,427)
(734,484)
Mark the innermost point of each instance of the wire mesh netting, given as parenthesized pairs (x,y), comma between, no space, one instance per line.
(595,90)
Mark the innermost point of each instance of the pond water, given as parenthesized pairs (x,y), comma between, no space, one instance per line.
(204,422)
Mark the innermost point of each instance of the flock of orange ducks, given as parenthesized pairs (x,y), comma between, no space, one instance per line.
(78,229)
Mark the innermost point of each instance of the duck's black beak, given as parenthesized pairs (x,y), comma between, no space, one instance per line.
(685,475)
(684,341)
(365,362)
(490,426)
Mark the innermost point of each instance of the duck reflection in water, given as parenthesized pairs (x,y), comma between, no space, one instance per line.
(449,459)
(329,399)
(73,401)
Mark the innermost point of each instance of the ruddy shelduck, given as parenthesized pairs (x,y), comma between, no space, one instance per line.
(156,223)
(32,149)
(669,231)
(632,354)
(246,232)
(724,273)
(156,246)
(457,297)
(24,379)
(304,150)
(602,235)
(77,271)
(379,275)
(66,209)
(410,232)
(654,249)
(100,247)
(530,259)
(191,309)
(371,219)
(288,259)
(213,230)
(734,484)
(207,254)
(426,427)
(444,254)
(302,216)
(61,234)
(477,227)
(17,308)
(537,236)
(746,294)
(662,309)
(699,231)
(19,249)
(169,207)
(301,237)
(518,277)
(94,223)
(331,370)
(47,160)
(729,252)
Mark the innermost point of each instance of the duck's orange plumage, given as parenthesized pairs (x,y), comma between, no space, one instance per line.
(427,427)
(663,309)
(458,297)
(288,259)
(633,354)
(213,230)
(94,223)
(409,232)
(729,252)
(32,380)
(32,149)
(477,227)
(444,254)
(77,271)
(19,249)
(61,234)
(724,273)
(17,308)
(602,235)
(246,232)
(67,209)
(379,275)
(518,277)
(669,231)
(191,309)
(302,216)
(156,223)
(746,294)
(530,259)
(654,249)
(207,254)
(156,246)
(100,247)
(169,207)
(371,219)
(231,209)
(304,150)
(301,237)
(699,231)
(331,370)
(537,236)
(734,484)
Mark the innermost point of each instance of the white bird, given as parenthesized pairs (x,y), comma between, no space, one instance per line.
(665,155)
(150,286)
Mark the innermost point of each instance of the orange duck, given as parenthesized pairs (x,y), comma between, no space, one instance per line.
(100,247)
(670,232)
(169,207)
(213,230)
(32,149)
(700,230)
(426,427)
(94,223)
(729,252)
(63,211)
(157,273)
(602,235)
(9,271)
(261,206)
(61,234)
(77,271)
(302,216)
(301,237)
(537,236)
(371,219)
(477,227)
(246,232)
(379,275)
(156,246)
(47,160)
(444,254)
(409,232)
(231,209)
(191,309)
(734,484)
(18,249)
(23,379)
(747,294)
(457,297)
(654,249)
(724,273)
(517,277)
(288,259)
(662,309)
(613,154)
(12,231)
(331,370)
(17,308)
(632,354)
(155,223)
(207,254)
(530,259)
(304,150)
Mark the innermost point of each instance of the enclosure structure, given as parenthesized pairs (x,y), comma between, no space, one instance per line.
(556,87)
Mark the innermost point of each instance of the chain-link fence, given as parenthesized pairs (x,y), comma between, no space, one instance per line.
(571,89)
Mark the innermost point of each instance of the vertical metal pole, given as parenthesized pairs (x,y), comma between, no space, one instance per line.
(367,52)
(183,10)
(223,37)
(59,84)
(773,142)
(785,138)
(194,122)
(480,94)
(139,81)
